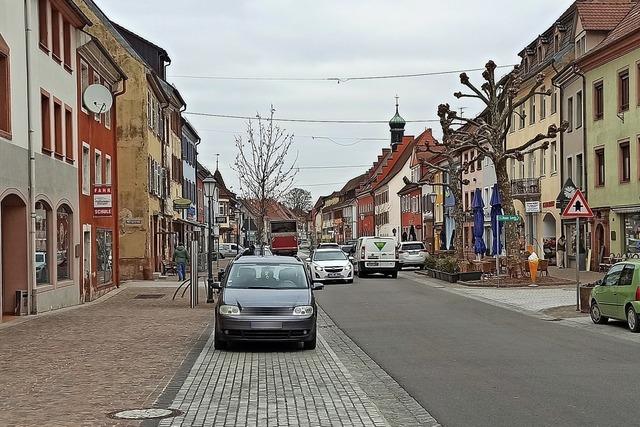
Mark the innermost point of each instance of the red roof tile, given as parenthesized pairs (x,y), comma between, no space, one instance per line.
(603,15)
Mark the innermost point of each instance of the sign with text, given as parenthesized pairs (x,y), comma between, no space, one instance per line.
(508,218)
(532,207)
(221,219)
(102,200)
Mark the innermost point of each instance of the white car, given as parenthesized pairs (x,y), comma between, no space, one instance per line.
(328,246)
(330,264)
(412,254)
(230,249)
(376,255)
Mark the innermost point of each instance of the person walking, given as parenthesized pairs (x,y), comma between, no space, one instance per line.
(181,258)
(561,249)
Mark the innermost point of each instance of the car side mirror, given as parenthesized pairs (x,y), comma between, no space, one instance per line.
(351,258)
(308,260)
(317,286)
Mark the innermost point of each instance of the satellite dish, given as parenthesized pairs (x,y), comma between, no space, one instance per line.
(97,98)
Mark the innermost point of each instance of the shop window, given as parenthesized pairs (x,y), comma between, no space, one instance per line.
(598,100)
(600,169)
(623,91)
(43,239)
(625,162)
(43,25)
(632,233)
(104,256)
(64,256)
(45,115)
(5,93)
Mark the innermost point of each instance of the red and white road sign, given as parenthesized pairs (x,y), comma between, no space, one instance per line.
(578,207)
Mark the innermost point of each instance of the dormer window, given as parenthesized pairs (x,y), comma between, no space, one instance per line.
(540,53)
(556,42)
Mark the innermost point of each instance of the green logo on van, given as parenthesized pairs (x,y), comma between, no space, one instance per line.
(380,245)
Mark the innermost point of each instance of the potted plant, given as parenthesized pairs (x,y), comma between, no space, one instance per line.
(447,269)
(430,265)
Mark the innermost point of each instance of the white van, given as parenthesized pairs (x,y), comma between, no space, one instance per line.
(230,249)
(376,255)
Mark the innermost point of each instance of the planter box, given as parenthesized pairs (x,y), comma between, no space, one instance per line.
(585,298)
(447,277)
(470,275)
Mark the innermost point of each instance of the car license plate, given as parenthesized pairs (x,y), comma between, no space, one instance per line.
(414,252)
(387,264)
(332,275)
(266,325)
(372,264)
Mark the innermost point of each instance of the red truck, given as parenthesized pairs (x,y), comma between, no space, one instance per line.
(284,237)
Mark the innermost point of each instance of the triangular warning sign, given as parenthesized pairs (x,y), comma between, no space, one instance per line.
(578,207)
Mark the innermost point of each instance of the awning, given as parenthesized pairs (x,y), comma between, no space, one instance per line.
(627,209)
(189,222)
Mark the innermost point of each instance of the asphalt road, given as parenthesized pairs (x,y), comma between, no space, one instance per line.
(474,364)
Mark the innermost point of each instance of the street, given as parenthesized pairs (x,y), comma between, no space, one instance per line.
(390,352)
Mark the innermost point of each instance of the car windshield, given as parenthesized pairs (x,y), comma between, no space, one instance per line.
(412,246)
(267,276)
(329,256)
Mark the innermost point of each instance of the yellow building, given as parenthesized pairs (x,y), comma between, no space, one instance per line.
(144,168)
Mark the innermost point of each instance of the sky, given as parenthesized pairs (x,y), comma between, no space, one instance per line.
(326,39)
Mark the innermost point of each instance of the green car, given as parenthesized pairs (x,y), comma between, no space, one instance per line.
(617,295)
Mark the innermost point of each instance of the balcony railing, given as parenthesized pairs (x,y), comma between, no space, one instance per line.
(525,188)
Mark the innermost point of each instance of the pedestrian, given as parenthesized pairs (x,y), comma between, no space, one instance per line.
(181,258)
(561,249)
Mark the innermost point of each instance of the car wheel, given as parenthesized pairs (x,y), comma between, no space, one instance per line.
(361,270)
(394,275)
(311,344)
(218,343)
(632,320)
(349,281)
(596,314)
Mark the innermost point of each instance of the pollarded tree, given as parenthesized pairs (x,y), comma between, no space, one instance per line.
(487,133)
(298,200)
(263,168)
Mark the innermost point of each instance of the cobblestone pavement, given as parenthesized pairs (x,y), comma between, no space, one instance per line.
(72,367)
(337,384)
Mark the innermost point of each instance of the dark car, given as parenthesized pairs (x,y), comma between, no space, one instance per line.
(266,299)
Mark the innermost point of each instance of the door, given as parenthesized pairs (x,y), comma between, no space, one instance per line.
(86,265)
(607,294)
(625,290)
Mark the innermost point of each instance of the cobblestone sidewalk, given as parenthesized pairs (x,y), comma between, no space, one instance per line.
(335,385)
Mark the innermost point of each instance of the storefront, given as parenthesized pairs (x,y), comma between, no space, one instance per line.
(631,232)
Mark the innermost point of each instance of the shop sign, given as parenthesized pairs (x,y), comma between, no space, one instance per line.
(532,207)
(549,204)
(102,200)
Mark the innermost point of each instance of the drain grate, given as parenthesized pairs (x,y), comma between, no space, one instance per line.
(144,414)
(148,296)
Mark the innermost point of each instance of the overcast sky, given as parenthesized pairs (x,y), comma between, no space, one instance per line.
(328,38)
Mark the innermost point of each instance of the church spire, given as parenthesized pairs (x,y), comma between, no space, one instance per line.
(396,127)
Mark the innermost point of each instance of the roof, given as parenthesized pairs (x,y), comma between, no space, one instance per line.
(256,259)
(172,92)
(629,24)
(602,15)
(353,183)
(398,161)
(127,32)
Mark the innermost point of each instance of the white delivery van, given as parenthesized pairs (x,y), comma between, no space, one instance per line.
(230,249)
(376,255)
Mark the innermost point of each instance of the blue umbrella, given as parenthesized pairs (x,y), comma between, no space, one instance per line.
(496,209)
(479,246)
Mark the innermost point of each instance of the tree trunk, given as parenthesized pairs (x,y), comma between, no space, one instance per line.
(458,217)
(511,228)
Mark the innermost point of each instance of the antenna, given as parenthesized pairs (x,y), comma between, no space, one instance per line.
(97,99)
(462,111)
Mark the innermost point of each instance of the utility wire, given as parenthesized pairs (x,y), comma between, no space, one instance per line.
(229,116)
(336,79)
(320,185)
(330,138)
(332,167)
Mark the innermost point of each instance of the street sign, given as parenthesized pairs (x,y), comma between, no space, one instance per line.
(221,219)
(532,207)
(578,207)
(508,218)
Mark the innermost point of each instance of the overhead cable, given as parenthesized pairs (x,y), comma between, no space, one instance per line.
(229,116)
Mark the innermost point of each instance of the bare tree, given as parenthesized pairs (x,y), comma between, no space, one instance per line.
(487,133)
(262,165)
(298,200)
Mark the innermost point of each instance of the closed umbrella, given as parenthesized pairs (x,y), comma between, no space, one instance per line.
(479,247)
(496,209)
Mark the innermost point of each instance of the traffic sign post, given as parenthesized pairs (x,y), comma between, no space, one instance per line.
(578,208)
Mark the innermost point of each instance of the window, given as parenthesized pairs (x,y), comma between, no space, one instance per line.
(84,80)
(625,162)
(570,168)
(479,166)
(98,166)
(543,162)
(104,256)
(638,85)
(63,231)
(42,251)
(57,126)
(579,171)
(623,91)
(107,119)
(598,100)
(600,167)
(554,100)
(554,157)
(626,277)
(522,117)
(86,169)
(570,114)
(579,110)
(543,104)
(66,43)
(68,134)
(532,110)
(43,25)
(556,43)
(581,46)
(5,95)
(55,34)
(45,116)
(107,169)
(513,169)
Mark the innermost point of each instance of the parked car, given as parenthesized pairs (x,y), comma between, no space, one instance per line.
(348,249)
(412,254)
(376,255)
(266,299)
(617,295)
(230,249)
(330,264)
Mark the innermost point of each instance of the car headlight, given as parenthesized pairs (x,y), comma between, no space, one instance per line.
(303,310)
(348,267)
(318,268)
(229,310)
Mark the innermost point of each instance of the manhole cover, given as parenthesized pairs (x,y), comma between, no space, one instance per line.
(148,296)
(144,414)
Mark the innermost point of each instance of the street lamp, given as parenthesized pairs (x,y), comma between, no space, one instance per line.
(209,191)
